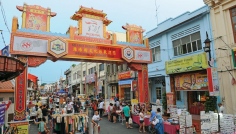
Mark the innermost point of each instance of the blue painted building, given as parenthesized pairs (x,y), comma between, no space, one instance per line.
(175,42)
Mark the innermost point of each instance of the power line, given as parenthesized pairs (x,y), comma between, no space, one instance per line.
(4,15)
(3,38)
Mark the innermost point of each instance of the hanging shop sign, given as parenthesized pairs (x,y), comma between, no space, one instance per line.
(2,113)
(134,85)
(126,75)
(90,78)
(169,101)
(191,81)
(213,82)
(186,64)
(20,96)
(234,57)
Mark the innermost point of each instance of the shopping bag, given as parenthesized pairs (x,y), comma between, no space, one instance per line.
(130,121)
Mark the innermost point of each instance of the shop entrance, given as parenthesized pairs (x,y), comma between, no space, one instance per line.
(196,101)
(88,42)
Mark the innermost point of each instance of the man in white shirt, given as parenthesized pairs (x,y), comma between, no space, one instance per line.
(69,107)
(100,108)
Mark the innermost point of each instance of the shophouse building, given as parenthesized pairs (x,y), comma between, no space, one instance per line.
(223,18)
(179,61)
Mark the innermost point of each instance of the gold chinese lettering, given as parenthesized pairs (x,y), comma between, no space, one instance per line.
(100,51)
(74,49)
(109,52)
(80,49)
(85,50)
(105,51)
(95,51)
(114,52)
(91,50)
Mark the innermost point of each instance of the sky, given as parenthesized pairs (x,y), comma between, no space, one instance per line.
(145,13)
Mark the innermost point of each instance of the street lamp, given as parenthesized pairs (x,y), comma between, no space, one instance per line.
(207,48)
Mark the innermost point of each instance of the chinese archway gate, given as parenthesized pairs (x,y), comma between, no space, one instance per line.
(33,44)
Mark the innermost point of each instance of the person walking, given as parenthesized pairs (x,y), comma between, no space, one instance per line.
(39,113)
(113,113)
(100,107)
(42,127)
(141,120)
(45,113)
(126,111)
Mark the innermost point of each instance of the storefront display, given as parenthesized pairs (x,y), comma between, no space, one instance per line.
(127,86)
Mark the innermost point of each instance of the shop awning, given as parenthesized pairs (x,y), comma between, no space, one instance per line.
(125,82)
(33,78)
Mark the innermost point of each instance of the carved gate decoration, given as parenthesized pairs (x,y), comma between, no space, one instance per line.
(90,41)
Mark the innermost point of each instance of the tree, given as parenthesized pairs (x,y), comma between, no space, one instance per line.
(210,104)
(43,84)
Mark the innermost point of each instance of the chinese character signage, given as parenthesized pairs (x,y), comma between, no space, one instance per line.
(94,52)
(92,27)
(36,17)
(191,81)
(213,81)
(2,113)
(20,96)
(186,64)
(126,75)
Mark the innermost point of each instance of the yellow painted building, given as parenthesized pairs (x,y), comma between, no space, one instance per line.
(223,20)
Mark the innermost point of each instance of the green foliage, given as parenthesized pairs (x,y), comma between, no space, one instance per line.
(73,65)
(211,103)
(164,101)
(43,84)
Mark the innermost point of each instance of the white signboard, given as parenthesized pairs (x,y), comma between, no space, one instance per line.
(92,28)
(30,45)
(142,55)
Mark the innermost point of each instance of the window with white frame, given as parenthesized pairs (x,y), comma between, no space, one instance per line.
(1,99)
(187,44)
(156,54)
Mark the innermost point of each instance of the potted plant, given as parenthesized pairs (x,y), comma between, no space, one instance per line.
(211,103)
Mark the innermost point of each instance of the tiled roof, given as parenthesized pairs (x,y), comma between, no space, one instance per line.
(7,86)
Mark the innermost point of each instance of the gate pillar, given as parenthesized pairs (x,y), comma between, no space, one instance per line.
(143,86)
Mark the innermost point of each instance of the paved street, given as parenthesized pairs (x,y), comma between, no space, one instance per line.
(106,128)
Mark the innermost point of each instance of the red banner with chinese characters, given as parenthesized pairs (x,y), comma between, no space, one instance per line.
(213,82)
(94,51)
(20,96)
